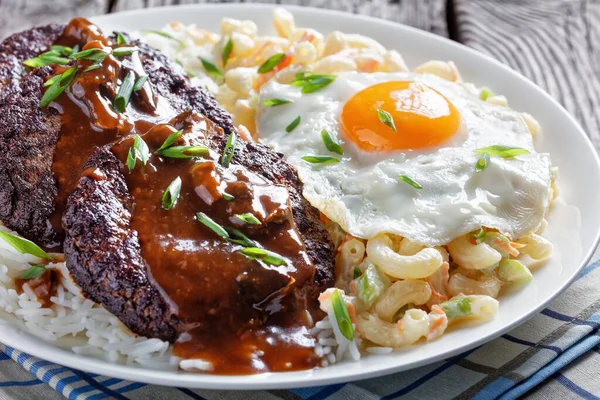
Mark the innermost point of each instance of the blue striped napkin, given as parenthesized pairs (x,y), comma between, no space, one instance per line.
(554,354)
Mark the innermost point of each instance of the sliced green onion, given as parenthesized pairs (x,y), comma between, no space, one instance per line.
(248,218)
(171,194)
(227,52)
(97,55)
(371,284)
(170,140)
(293,124)
(514,271)
(229,150)
(124,92)
(61,50)
(124,51)
(459,307)
(482,162)
(58,86)
(275,102)
(324,160)
(356,273)
(35,271)
(386,118)
(46,59)
(227,196)
(166,35)
(502,151)
(271,63)
(211,68)
(138,151)
(140,82)
(239,238)
(479,236)
(52,80)
(330,144)
(121,39)
(341,315)
(485,93)
(183,151)
(23,245)
(312,82)
(412,183)
(93,67)
(266,256)
(212,225)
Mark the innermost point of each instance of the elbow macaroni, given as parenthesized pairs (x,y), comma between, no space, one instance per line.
(420,265)
(400,294)
(472,256)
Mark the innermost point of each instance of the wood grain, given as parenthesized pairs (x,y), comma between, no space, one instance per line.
(429,15)
(17,15)
(555,43)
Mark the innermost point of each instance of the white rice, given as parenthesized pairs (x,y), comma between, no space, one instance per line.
(87,329)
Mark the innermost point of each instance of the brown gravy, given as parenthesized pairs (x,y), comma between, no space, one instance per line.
(243,315)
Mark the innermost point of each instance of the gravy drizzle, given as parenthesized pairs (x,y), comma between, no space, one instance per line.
(243,315)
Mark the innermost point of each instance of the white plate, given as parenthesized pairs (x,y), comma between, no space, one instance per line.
(575,239)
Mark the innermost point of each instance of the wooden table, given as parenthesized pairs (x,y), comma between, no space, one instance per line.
(555,43)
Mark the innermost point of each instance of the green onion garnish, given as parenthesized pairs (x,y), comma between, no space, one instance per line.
(138,151)
(52,80)
(140,82)
(248,218)
(97,55)
(227,196)
(58,86)
(325,160)
(24,246)
(212,225)
(457,307)
(310,82)
(46,59)
(386,118)
(183,151)
(124,92)
(485,93)
(412,183)
(330,144)
(240,238)
(502,151)
(341,315)
(356,273)
(93,67)
(211,68)
(266,256)
(479,235)
(228,150)
(482,162)
(371,284)
(35,271)
(271,63)
(61,50)
(293,124)
(227,52)
(121,39)
(124,51)
(171,194)
(275,102)
(170,140)
(166,35)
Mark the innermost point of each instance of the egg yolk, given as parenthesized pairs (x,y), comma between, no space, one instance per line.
(421,115)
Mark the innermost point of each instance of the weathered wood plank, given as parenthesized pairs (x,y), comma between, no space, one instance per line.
(555,43)
(429,15)
(17,15)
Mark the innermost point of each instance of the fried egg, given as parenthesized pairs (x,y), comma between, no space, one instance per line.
(416,177)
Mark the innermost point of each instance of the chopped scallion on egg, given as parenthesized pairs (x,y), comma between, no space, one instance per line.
(293,124)
(275,102)
(482,162)
(330,144)
(502,151)
(412,183)
(323,160)
(386,118)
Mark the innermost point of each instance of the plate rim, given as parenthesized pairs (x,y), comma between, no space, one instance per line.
(301,378)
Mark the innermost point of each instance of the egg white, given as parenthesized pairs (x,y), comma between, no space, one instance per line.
(362,192)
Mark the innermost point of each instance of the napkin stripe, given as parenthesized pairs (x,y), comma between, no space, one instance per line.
(574,388)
